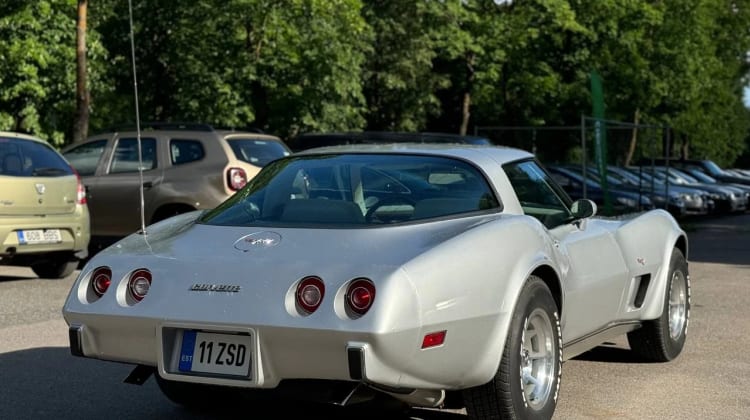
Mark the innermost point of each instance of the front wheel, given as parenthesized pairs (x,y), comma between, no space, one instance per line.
(527,383)
(662,339)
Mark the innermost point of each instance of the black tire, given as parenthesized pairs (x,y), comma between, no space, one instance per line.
(54,266)
(662,339)
(510,394)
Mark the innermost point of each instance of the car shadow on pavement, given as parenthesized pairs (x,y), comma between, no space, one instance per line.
(609,354)
(721,240)
(49,382)
(6,277)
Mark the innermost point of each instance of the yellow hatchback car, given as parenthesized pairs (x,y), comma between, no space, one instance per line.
(44,219)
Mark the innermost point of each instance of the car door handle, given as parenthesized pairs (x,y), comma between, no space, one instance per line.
(147,185)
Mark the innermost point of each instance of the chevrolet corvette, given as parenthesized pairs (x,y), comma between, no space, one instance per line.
(435,275)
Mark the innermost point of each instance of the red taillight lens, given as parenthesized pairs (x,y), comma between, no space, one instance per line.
(360,295)
(236,178)
(310,292)
(139,284)
(100,280)
(81,193)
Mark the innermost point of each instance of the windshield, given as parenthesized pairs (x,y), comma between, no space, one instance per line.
(702,176)
(684,176)
(713,168)
(355,189)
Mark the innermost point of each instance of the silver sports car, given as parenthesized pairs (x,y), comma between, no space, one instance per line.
(438,275)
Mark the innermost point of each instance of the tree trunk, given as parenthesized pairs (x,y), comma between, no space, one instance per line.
(466,106)
(81,123)
(685,147)
(633,138)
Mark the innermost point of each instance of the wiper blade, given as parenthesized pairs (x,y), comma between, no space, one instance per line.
(49,172)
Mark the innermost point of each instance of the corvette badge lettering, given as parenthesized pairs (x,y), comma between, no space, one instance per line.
(229,288)
(257,240)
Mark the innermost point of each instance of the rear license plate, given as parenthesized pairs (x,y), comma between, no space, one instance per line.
(222,354)
(39,236)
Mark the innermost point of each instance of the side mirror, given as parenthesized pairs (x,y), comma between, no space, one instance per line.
(583,208)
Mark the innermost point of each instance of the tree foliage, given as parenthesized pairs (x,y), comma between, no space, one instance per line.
(318,65)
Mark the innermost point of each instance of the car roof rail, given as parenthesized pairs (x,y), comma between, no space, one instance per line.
(247,129)
(145,126)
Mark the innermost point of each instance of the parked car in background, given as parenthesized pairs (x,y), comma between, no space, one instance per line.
(707,179)
(707,166)
(44,220)
(185,167)
(663,198)
(726,198)
(432,275)
(622,200)
(697,202)
(741,172)
(312,140)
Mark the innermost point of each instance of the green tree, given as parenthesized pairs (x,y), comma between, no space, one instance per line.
(281,67)
(37,67)
(416,47)
(527,69)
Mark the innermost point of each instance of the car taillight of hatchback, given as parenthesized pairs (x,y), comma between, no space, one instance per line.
(236,178)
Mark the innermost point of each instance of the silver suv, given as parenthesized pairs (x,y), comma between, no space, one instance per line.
(186,167)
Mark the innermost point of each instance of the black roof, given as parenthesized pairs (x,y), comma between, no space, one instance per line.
(310,140)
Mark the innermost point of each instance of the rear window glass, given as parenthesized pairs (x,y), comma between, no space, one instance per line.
(26,158)
(185,151)
(126,158)
(356,189)
(256,151)
(85,157)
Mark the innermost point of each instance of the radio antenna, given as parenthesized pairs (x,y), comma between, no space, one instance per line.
(137,118)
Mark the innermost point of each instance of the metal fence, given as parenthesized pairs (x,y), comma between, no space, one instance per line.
(592,147)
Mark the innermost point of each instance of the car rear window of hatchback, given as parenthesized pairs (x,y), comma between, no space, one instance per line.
(26,158)
(257,152)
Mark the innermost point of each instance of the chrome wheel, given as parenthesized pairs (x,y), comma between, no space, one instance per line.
(678,300)
(537,367)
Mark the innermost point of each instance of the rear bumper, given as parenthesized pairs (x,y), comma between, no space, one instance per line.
(392,362)
(74,233)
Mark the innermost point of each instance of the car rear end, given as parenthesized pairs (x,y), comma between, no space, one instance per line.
(44,220)
(210,167)
(248,153)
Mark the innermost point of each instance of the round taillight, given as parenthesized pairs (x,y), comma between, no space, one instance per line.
(100,280)
(236,178)
(360,295)
(139,283)
(310,292)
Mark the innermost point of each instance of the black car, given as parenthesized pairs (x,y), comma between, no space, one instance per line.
(622,201)
(706,166)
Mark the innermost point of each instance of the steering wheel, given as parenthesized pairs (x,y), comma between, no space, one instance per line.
(388,201)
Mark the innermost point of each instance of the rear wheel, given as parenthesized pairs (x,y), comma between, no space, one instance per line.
(662,339)
(55,266)
(527,382)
